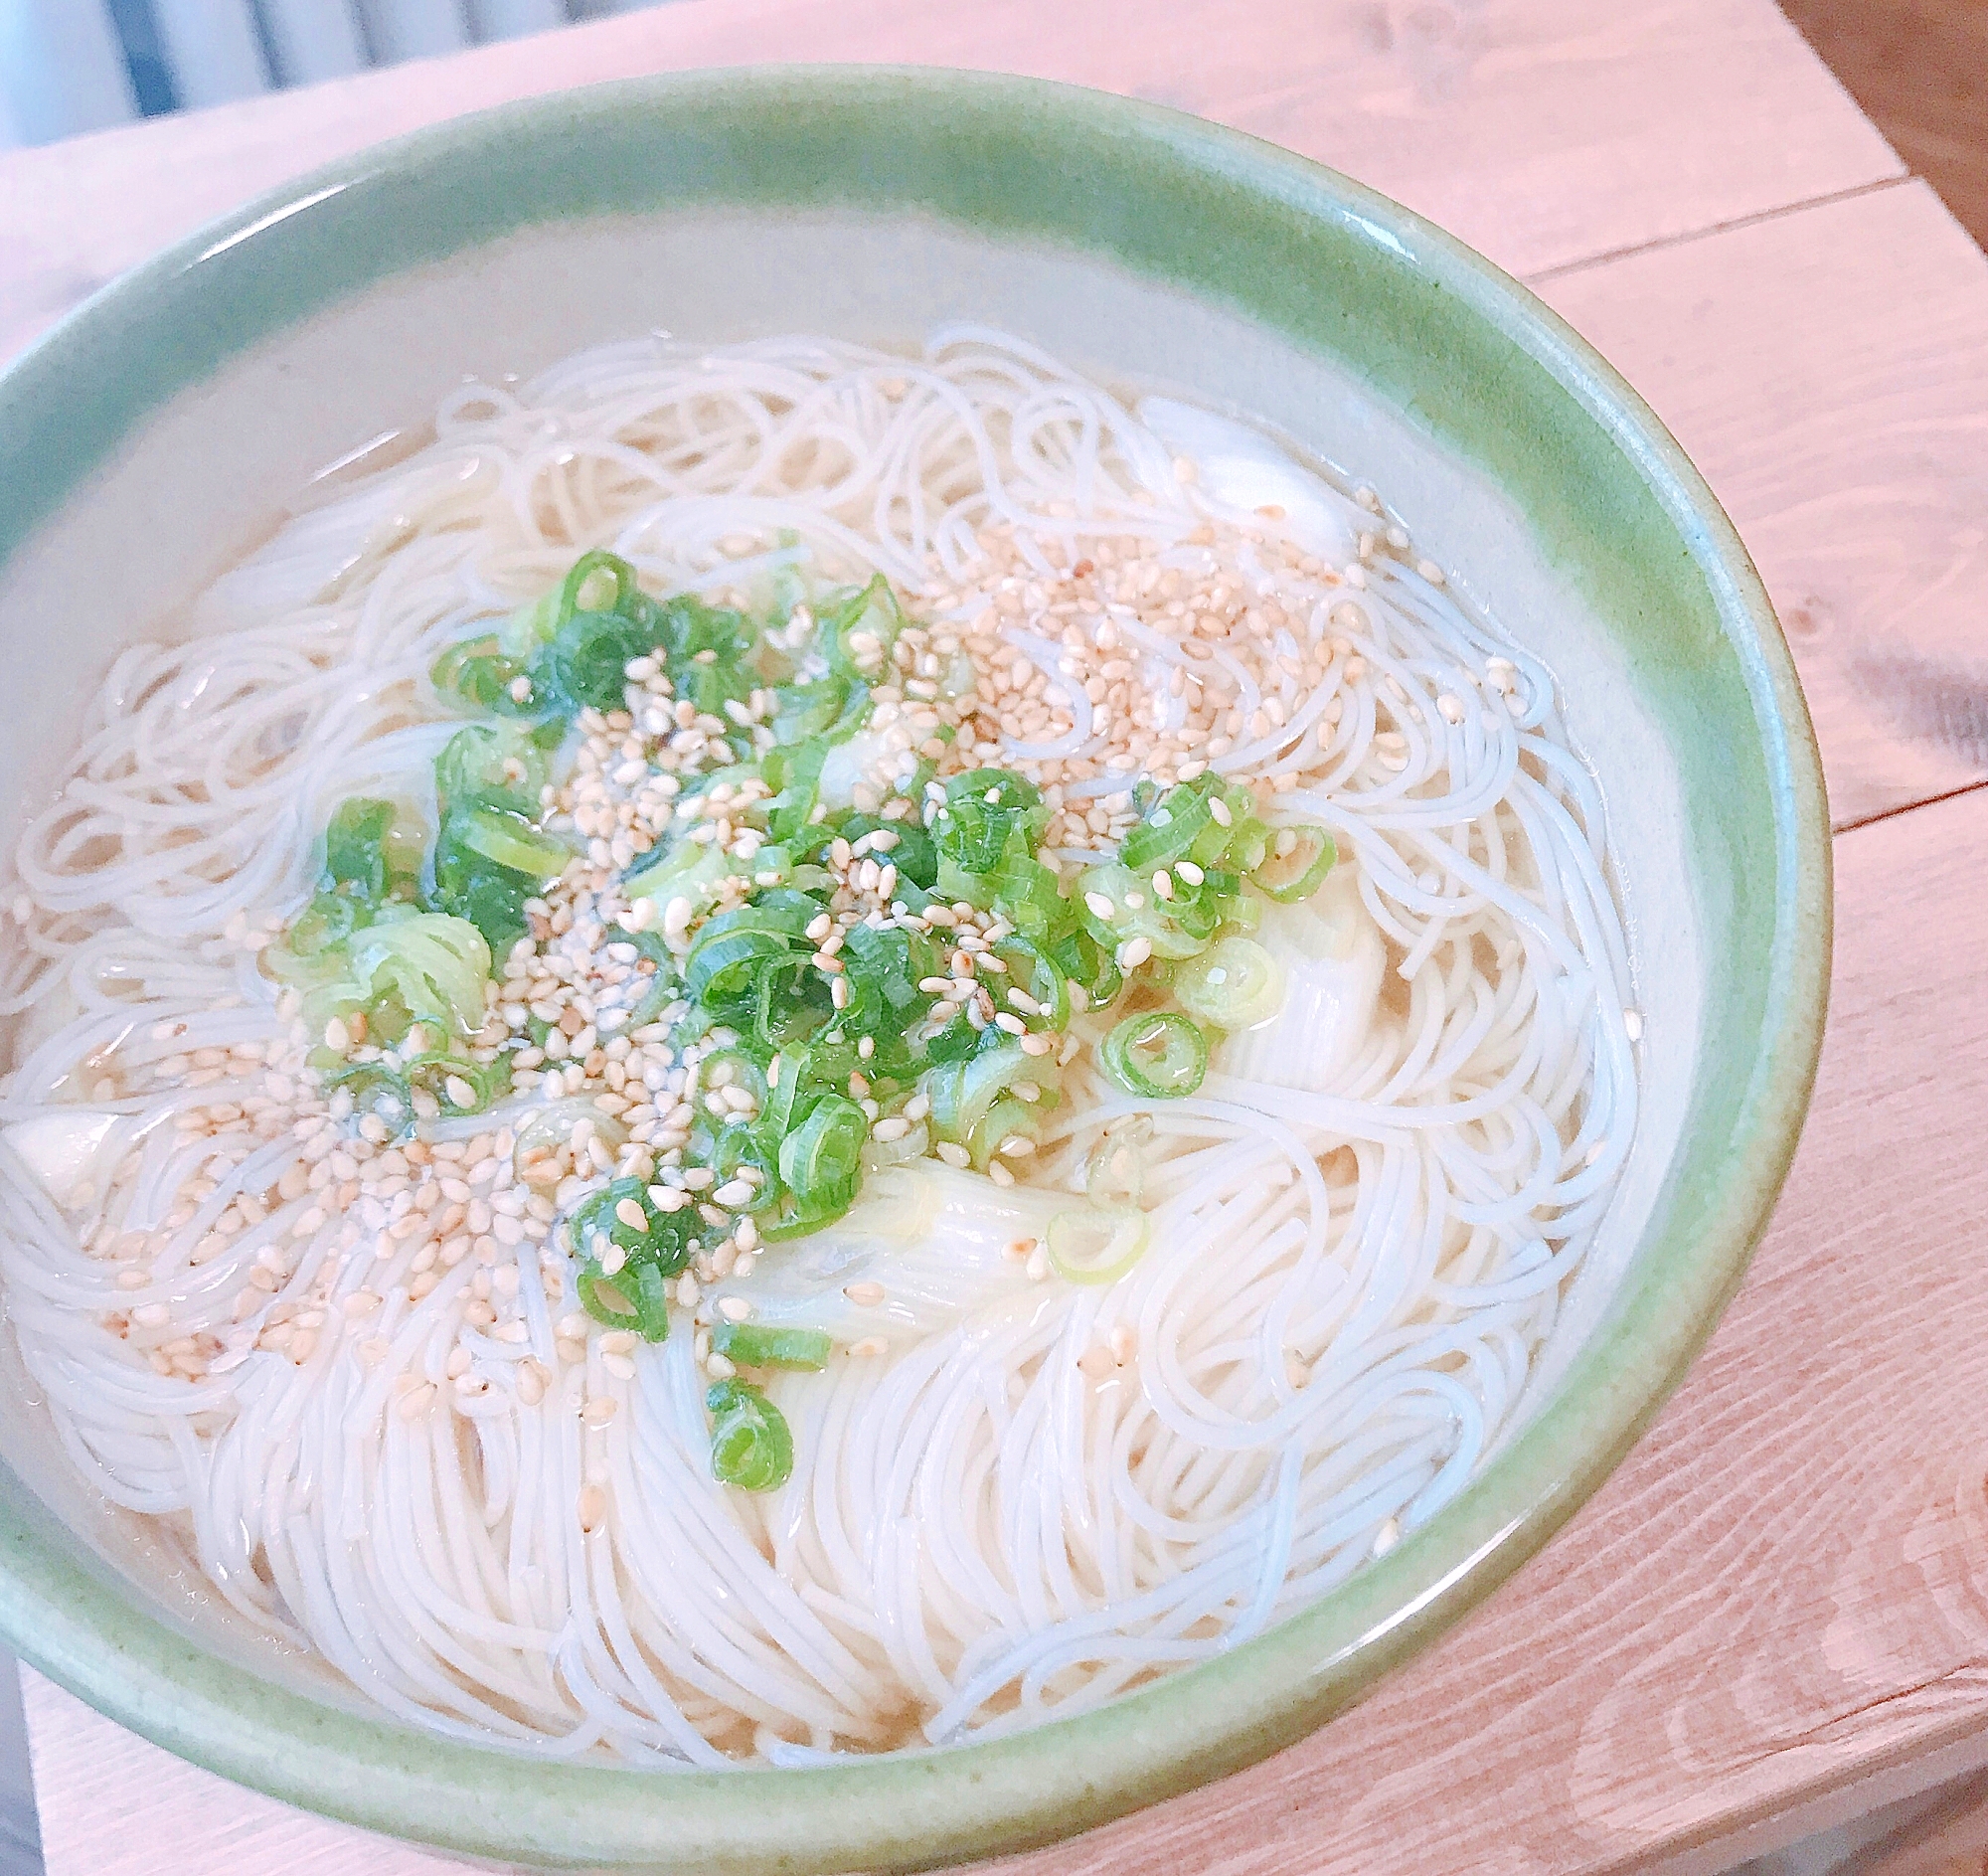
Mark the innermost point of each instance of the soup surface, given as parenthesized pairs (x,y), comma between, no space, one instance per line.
(787,1050)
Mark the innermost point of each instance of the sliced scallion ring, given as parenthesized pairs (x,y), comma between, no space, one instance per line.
(1155,1056)
(821,1159)
(1097,1244)
(751,1443)
(1300,870)
(1235,984)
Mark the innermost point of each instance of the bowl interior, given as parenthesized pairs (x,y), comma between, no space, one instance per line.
(877,207)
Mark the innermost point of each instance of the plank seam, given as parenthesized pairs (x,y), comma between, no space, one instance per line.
(1908,807)
(1662,242)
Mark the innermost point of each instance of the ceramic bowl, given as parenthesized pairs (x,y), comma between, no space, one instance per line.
(146,439)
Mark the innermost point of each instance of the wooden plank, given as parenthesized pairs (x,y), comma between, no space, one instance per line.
(1828,372)
(112,1805)
(1542,131)
(1779,1594)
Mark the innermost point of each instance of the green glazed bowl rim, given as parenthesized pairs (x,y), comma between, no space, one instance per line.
(168,323)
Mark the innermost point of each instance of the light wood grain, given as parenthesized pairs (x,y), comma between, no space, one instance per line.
(114,1805)
(1828,372)
(1542,131)
(1783,1592)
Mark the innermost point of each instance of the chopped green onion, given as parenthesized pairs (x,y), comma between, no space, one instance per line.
(821,1160)
(1169,831)
(506,838)
(446,1076)
(491,765)
(686,869)
(873,610)
(600,1298)
(652,1306)
(1173,927)
(585,665)
(436,965)
(322,927)
(1297,873)
(973,1099)
(753,1345)
(1235,984)
(356,849)
(1097,1244)
(661,1241)
(1036,975)
(984,810)
(750,1445)
(1155,1056)
(493,901)
(476,672)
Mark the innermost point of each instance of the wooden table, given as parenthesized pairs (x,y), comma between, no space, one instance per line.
(1775,1615)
